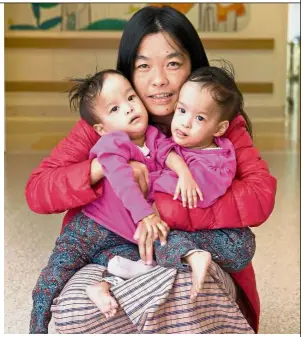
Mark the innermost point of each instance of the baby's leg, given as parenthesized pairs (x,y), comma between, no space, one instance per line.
(123,260)
(199,261)
(99,293)
(232,249)
(180,251)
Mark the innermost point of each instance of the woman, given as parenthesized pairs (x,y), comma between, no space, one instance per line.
(158,50)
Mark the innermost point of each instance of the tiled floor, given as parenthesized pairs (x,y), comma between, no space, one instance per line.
(29,239)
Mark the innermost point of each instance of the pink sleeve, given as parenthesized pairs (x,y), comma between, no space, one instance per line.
(163,147)
(114,151)
(213,172)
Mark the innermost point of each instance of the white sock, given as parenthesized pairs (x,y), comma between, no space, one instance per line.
(125,268)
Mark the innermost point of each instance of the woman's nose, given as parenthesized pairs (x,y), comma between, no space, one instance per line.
(159,78)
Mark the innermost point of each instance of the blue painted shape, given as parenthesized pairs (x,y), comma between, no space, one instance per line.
(36,11)
(106,24)
(48,5)
(51,23)
(23,27)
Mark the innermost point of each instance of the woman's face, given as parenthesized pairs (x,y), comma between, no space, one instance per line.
(160,70)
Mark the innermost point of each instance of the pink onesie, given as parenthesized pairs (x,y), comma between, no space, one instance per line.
(122,204)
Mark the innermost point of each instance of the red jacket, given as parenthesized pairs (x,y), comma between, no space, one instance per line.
(62,182)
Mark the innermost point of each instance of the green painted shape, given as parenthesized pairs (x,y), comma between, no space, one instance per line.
(23,27)
(51,23)
(36,12)
(48,5)
(107,24)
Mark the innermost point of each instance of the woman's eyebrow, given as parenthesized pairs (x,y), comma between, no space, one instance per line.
(141,57)
(175,54)
(169,56)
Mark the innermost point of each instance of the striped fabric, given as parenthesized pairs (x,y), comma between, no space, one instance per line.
(157,302)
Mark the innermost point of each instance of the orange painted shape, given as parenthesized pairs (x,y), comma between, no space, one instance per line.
(223,10)
(181,7)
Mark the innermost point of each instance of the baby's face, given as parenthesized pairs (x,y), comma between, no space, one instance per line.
(119,108)
(197,117)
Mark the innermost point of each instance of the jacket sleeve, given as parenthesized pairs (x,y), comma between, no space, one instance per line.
(248,202)
(62,180)
(114,151)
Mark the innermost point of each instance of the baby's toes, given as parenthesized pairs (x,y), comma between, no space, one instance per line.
(113,303)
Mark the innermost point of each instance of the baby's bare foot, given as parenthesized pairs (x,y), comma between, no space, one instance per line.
(199,262)
(100,295)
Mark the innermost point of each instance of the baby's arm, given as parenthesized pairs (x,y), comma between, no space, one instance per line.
(186,185)
(113,152)
(212,172)
(167,157)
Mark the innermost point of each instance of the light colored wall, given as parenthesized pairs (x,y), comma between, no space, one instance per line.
(294,17)
(266,21)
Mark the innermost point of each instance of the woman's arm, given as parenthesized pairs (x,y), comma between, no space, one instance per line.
(248,202)
(67,178)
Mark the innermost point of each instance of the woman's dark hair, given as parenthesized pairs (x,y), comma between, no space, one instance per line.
(223,88)
(150,20)
(82,96)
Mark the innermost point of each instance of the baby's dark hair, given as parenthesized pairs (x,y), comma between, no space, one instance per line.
(223,88)
(83,95)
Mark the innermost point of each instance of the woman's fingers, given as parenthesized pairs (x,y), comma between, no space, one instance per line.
(155,233)
(142,248)
(148,244)
(163,232)
(143,184)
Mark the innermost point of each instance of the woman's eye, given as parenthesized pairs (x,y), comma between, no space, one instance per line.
(182,110)
(143,66)
(174,64)
(131,97)
(114,109)
(200,118)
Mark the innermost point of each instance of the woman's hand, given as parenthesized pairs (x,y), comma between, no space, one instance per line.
(96,171)
(150,229)
(189,190)
(141,176)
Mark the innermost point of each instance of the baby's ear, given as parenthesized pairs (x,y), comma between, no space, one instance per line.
(99,129)
(222,127)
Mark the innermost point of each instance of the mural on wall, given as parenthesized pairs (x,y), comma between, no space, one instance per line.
(211,17)
(216,17)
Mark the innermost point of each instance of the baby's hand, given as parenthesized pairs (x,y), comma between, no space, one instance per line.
(188,189)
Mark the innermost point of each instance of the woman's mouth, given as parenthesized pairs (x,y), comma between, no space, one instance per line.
(163,98)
